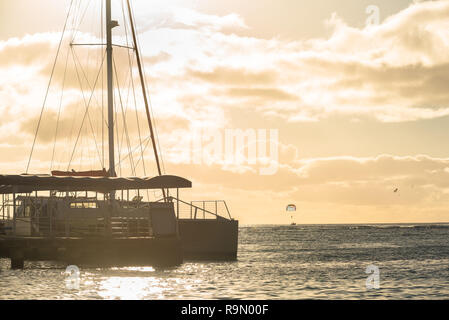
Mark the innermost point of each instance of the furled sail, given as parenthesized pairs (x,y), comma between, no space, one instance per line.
(73,173)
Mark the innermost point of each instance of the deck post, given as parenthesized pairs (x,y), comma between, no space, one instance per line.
(177,202)
(17,259)
(14,212)
(150,223)
(108,216)
(67,226)
(50,215)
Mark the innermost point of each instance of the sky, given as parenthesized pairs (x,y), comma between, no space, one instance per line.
(357,108)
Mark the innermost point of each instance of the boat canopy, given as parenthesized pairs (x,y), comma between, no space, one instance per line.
(28,183)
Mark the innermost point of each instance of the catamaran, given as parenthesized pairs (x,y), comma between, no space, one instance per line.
(97,216)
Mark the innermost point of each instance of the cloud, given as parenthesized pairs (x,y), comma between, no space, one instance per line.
(393,72)
(178,17)
(203,72)
(370,181)
(234,76)
(263,93)
(158,58)
(27,50)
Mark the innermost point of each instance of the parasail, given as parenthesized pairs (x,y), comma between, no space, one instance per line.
(291,207)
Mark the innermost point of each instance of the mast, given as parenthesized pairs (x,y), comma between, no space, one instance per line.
(144,91)
(109,26)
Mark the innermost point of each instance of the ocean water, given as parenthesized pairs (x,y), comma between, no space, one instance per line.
(274,262)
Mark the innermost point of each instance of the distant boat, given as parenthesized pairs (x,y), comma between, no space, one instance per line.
(293,224)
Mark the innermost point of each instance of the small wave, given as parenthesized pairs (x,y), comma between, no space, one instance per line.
(400,226)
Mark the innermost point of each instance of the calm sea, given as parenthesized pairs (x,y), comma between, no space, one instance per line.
(274,262)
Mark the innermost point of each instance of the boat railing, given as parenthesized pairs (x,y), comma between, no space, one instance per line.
(121,227)
(200,209)
(44,219)
(6,208)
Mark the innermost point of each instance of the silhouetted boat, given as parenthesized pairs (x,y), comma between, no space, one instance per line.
(78,217)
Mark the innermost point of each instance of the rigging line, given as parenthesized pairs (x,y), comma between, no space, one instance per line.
(93,91)
(155,123)
(48,87)
(126,108)
(120,141)
(124,133)
(155,128)
(89,48)
(59,110)
(88,53)
(73,23)
(125,111)
(125,127)
(146,142)
(72,30)
(100,44)
(137,44)
(83,143)
(102,88)
(87,109)
(82,18)
(85,75)
(75,19)
(98,120)
(158,143)
(138,122)
(152,113)
(129,75)
(84,117)
(69,138)
(80,168)
(128,92)
(144,148)
(88,117)
(131,63)
(119,145)
(144,90)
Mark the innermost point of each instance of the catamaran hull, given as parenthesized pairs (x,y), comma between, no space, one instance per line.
(209,239)
(158,252)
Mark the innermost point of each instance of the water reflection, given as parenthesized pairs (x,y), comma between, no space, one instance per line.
(317,262)
(134,288)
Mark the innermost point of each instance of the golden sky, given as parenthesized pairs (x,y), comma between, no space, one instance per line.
(360,110)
